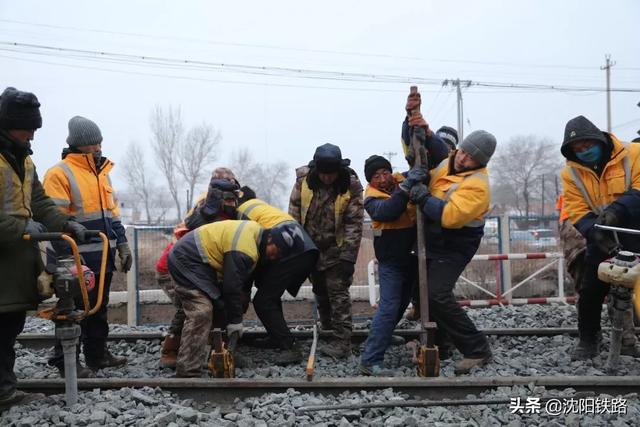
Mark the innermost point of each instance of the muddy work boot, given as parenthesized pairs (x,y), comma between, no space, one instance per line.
(108,360)
(335,349)
(375,371)
(630,350)
(18,397)
(465,365)
(585,350)
(169,351)
(265,342)
(81,370)
(289,356)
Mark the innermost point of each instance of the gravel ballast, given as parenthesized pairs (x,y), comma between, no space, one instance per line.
(154,407)
(512,356)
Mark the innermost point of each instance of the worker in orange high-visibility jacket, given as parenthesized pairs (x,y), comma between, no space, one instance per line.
(454,206)
(601,185)
(80,186)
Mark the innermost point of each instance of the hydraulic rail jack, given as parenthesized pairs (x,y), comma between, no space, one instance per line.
(221,361)
(70,282)
(622,272)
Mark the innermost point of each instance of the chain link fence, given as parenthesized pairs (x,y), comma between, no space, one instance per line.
(525,235)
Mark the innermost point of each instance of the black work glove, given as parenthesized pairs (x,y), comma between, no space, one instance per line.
(33,227)
(77,230)
(604,241)
(124,253)
(608,217)
(347,268)
(417,175)
(419,194)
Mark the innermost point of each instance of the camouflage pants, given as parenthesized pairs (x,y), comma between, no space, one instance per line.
(198,310)
(169,288)
(331,288)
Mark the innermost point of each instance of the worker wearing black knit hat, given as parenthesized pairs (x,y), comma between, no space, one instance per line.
(327,200)
(449,136)
(393,217)
(25,209)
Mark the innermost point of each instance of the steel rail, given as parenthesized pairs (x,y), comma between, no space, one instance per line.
(222,392)
(39,341)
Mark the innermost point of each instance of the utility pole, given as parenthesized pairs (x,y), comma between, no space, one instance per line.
(390,155)
(458,85)
(542,197)
(607,68)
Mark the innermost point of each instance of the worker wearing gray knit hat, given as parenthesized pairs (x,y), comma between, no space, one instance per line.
(479,145)
(83,132)
(80,186)
(454,206)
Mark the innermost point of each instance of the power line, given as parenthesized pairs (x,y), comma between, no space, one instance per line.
(273,71)
(308,50)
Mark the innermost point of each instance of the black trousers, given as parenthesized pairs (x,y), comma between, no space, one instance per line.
(95,329)
(11,325)
(272,281)
(452,320)
(592,292)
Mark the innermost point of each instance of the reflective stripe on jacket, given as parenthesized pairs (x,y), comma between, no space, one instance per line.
(393,219)
(585,192)
(219,238)
(263,213)
(342,200)
(15,195)
(78,189)
(466,195)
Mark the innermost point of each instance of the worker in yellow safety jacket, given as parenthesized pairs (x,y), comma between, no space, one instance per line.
(272,279)
(601,185)
(212,267)
(24,209)
(80,186)
(454,206)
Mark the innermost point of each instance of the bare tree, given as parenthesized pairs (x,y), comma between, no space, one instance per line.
(519,164)
(269,181)
(137,176)
(167,132)
(196,154)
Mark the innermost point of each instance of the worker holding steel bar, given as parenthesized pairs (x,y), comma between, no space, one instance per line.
(25,209)
(454,205)
(394,237)
(601,185)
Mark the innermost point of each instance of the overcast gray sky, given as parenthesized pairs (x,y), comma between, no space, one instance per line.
(284,118)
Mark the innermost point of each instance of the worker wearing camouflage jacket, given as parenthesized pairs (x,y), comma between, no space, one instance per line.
(327,200)
(24,209)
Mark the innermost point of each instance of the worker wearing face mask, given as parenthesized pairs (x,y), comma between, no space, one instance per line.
(80,186)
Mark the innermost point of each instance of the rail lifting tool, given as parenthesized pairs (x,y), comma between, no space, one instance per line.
(622,272)
(70,281)
(222,363)
(428,357)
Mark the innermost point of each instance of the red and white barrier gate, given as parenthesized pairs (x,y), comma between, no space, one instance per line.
(499,298)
